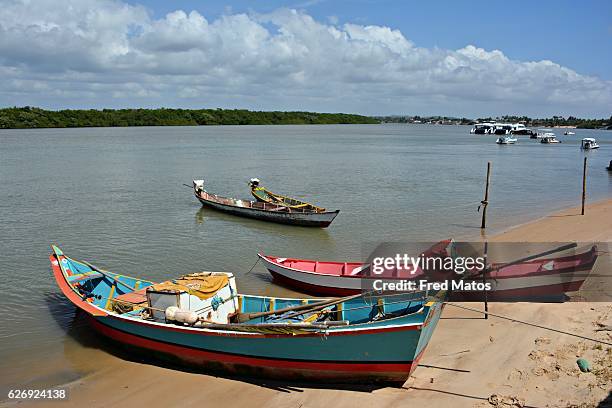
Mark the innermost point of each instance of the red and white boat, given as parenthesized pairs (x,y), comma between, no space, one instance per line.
(539,278)
(336,278)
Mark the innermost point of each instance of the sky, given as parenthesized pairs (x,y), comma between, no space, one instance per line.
(374,57)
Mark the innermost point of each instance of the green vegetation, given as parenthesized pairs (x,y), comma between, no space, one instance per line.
(28,117)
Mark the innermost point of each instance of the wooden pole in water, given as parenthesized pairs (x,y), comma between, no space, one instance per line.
(584,174)
(485,202)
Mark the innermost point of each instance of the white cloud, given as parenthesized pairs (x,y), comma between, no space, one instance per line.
(108,53)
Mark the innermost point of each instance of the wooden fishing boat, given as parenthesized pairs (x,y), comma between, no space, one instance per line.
(538,278)
(279,213)
(264,195)
(201,319)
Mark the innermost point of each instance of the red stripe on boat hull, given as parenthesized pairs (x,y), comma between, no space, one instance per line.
(263,367)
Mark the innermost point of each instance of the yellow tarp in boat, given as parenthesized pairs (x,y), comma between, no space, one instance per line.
(203,284)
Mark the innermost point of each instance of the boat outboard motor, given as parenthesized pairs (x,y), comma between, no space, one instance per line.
(198,185)
(254,182)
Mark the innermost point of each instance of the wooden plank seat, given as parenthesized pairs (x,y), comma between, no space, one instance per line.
(137,297)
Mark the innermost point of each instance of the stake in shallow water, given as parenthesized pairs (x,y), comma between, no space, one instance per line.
(485,202)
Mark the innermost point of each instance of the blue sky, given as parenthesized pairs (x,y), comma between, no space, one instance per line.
(470,58)
(575,34)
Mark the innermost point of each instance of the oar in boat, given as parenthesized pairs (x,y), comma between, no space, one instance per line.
(529,258)
(244,317)
(133,289)
(320,307)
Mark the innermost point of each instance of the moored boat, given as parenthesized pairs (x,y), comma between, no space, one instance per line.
(504,140)
(540,133)
(502,128)
(544,277)
(549,138)
(520,129)
(482,128)
(279,213)
(264,195)
(202,320)
(589,143)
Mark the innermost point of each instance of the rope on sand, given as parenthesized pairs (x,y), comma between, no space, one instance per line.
(530,324)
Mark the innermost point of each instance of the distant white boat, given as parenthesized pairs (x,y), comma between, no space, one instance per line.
(520,129)
(497,128)
(502,128)
(549,138)
(568,133)
(506,140)
(482,128)
(588,143)
(542,133)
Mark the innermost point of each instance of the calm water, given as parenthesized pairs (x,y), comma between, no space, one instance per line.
(115,197)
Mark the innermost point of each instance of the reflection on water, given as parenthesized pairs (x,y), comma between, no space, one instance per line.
(115,197)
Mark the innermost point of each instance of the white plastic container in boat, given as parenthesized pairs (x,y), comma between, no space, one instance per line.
(184,294)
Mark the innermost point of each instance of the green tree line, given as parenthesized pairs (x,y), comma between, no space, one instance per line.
(30,117)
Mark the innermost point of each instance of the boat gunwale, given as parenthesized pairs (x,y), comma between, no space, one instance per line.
(315,208)
(269,211)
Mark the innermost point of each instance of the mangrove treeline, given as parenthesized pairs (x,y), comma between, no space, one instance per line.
(29,117)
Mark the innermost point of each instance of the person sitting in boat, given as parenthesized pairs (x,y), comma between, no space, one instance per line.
(254,182)
(198,186)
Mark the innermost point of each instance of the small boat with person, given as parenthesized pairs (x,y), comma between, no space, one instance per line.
(279,212)
(202,320)
(266,196)
(506,140)
(589,143)
(569,133)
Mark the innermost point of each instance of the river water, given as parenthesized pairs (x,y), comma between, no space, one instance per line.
(114,196)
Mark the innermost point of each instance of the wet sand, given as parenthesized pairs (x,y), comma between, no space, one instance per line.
(469,362)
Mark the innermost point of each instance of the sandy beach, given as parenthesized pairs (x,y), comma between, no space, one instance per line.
(470,361)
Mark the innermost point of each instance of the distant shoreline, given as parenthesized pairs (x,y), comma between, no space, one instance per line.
(557,122)
(36,118)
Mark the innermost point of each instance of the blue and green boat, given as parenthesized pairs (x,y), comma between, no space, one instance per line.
(201,319)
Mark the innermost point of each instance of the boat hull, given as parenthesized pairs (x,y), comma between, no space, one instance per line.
(508,286)
(304,219)
(385,351)
(237,364)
